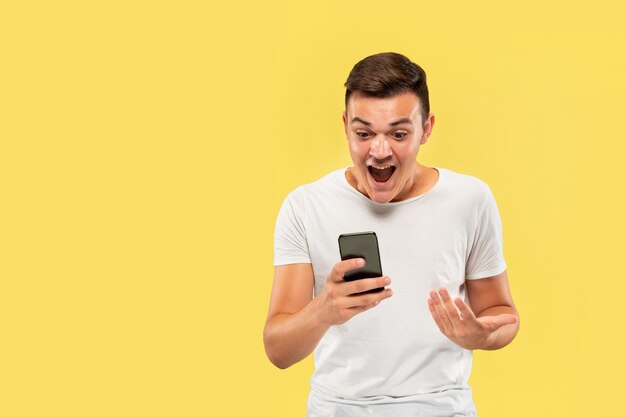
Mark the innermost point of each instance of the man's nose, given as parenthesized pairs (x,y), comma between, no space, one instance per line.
(380,148)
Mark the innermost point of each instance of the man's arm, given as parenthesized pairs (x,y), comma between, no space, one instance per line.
(292,329)
(296,321)
(490,297)
(489,322)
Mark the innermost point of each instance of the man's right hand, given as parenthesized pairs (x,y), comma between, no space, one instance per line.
(296,322)
(339,300)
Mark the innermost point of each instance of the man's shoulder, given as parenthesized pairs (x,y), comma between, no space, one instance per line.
(467,186)
(466,181)
(326,185)
(333,178)
(323,184)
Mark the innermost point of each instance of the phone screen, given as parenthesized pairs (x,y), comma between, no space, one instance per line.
(361,245)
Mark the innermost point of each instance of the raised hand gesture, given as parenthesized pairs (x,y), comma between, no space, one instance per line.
(457,321)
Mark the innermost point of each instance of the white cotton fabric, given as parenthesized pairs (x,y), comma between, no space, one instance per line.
(392,359)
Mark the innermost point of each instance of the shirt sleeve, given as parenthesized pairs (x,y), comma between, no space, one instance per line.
(486,258)
(290,242)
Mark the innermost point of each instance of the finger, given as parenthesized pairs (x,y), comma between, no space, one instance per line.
(433,312)
(495,322)
(441,312)
(466,313)
(359,309)
(367,299)
(449,307)
(366,284)
(340,268)
(364,307)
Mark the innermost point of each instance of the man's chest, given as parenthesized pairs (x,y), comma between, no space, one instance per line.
(429,241)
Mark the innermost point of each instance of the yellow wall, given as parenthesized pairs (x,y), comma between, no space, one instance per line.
(145,148)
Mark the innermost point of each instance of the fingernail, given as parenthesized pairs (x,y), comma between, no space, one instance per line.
(360,262)
(387,280)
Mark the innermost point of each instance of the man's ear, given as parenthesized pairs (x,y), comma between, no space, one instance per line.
(345,123)
(428,128)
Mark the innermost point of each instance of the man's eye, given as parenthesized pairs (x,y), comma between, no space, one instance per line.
(362,134)
(399,135)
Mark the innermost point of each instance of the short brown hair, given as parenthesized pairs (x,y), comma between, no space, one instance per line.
(388,74)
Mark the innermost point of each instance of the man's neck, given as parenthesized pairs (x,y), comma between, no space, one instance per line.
(423,180)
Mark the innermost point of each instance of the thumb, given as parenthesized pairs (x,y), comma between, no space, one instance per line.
(342,267)
(495,322)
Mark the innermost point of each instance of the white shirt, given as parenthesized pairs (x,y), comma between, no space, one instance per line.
(394,353)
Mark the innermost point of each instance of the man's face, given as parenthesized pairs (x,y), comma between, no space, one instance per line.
(384,135)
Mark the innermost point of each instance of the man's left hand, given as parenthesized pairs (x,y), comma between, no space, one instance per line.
(457,321)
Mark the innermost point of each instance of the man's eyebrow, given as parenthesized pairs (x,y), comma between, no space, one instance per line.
(397,122)
(400,121)
(358,119)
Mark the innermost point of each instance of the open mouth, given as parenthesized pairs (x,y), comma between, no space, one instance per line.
(381,174)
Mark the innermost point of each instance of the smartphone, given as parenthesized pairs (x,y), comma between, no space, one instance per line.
(361,245)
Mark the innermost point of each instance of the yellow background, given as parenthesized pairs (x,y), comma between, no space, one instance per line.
(146,148)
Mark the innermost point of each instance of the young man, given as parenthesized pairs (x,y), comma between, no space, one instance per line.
(406,350)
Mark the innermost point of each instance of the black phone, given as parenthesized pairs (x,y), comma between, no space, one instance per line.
(361,245)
